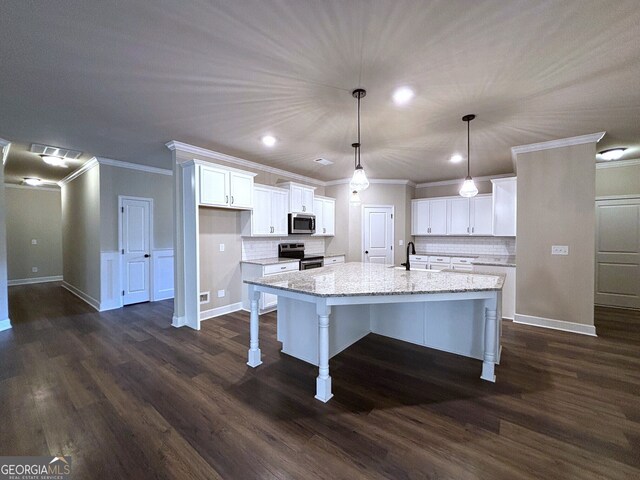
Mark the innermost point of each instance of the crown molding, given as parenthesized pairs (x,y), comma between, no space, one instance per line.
(618,163)
(460,180)
(28,187)
(5,146)
(192,149)
(76,173)
(195,161)
(561,142)
(382,181)
(4,143)
(133,166)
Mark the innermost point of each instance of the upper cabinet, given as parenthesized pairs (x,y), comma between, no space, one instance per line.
(458,216)
(325,212)
(224,187)
(504,206)
(429,217)
(481,215)
(300,197)
(269,215)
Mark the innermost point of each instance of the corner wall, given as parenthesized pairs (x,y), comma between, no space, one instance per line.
(4,290)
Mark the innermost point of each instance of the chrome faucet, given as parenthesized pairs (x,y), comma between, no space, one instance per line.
(413,252)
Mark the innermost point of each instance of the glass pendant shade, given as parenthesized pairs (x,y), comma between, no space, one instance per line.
(469,188)
(354,199)
(359,181)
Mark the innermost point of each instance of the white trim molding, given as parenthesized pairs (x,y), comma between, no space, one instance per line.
(556,324)
(218,311)
(88,299)
(561,142)
(5,324)
(382,181)
(133,166)
(162,274)
(631,196)
(76,173)
(27,187)
(618,163)
(5,146)
(31,281)
(110,292)
(486,178)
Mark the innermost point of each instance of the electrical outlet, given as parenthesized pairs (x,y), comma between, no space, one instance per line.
(34,269)
(222,247)
(400,242)
(34,241)
(220,293)
(204,297)
(560,250)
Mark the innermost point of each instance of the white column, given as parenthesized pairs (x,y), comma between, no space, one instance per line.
(323,382)
(5,323)
(490,342)
(255,356)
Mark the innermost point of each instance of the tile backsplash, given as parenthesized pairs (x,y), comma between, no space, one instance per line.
(256,248)
(467,245)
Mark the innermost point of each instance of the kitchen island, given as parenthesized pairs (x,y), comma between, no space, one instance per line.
(323,311)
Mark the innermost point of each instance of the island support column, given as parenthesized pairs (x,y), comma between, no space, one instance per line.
(323,382)
(490,342)
(255,356)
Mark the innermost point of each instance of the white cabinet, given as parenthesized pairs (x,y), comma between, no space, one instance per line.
(504,206)
(300,197)
(334,260)
(429,217)
(458,216)
(269,214)
(439,263)
(223,187)
(481,215)
(251,271)
(325,212)
(463,264)
(508,289)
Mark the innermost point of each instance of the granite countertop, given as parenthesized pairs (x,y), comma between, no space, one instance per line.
(271,261)
(364,279)
(492,260)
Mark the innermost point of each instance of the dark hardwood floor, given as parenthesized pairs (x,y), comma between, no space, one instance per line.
(128,396)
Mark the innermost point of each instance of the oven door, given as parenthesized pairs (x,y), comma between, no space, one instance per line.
(302,224)
(309,264)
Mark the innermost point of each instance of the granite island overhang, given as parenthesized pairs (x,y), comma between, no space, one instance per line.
(323,311)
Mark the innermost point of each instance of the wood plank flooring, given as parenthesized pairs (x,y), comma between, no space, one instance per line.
(128,396)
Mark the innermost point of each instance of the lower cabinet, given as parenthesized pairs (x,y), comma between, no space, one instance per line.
(334,260)
(508,290)
(250,271)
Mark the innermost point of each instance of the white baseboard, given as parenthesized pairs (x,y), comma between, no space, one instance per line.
(216,312)
(5,324)
(178,322)
(81,295)
(556,324)
(30,281)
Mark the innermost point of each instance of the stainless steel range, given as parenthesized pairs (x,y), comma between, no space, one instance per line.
(296,250)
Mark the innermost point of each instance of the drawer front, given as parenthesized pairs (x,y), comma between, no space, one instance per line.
(462,268)
(444,260)
(462,260)
(419,265)
(332,260)
(281,268)
(418,258)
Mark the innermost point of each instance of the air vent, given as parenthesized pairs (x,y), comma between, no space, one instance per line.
(323,161)
(55,151)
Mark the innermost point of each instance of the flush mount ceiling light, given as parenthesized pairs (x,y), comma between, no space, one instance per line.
(34,182)
(402,95)
(612,153)
(359,180)
(54,161)
(469,188)
(456,158)
(269,140)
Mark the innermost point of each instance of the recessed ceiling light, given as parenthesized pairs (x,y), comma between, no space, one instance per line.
(612,153)
(269,140)
(54,161)
(456,158)
(34,182)
(402,95)
(323,161)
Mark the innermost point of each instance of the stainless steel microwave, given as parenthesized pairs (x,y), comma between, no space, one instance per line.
(303,223)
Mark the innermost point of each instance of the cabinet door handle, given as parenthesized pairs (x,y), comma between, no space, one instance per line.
(226,199)
(232,199)
(282,268)
(304,209)
(467,229)
(324,230)
(473,229)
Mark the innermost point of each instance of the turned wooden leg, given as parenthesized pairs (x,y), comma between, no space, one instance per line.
(323,382)
(255,356)
(490,336)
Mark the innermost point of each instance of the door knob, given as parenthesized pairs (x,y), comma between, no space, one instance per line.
(146,255)
(367,252)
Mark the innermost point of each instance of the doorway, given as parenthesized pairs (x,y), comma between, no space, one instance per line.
(618,253)
(377,234)
(135,227)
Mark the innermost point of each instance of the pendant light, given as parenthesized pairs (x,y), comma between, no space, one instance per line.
(469,188)
(359,180)
(354,199)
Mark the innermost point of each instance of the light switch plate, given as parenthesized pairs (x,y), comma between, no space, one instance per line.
(34,269)
(222,247)
(34,241)
(220,293)
(560,250)
(400,243)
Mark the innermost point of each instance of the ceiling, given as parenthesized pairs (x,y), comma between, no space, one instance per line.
(120,79)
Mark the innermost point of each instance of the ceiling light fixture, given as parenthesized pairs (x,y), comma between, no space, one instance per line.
(54,161)
(34,182)
(269,140)
(469,188)
(456,158)
(612,153)
(359,180)
(402,95)
(354,198)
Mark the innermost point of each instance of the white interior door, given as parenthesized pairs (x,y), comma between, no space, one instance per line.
(377,234)
(618,253)
(135,249)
